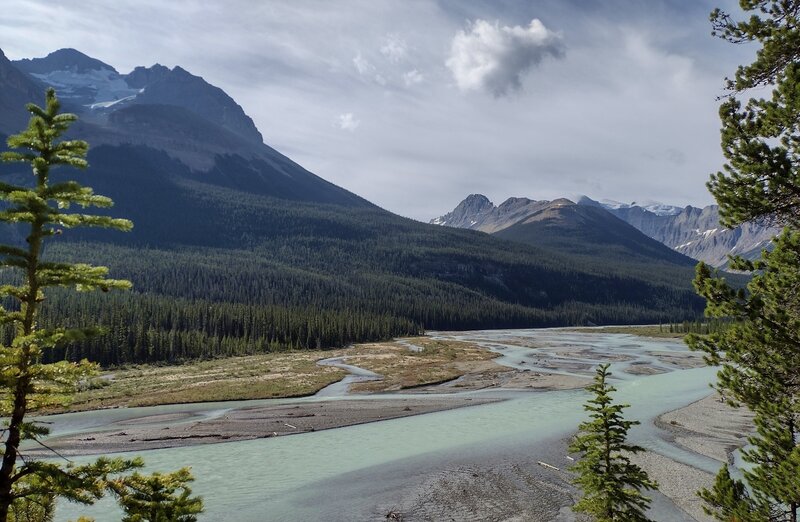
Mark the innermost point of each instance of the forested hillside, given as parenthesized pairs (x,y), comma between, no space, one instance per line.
(237,249)
(218,271)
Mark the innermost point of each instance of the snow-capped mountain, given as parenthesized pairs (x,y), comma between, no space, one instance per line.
(656,207)
(80,79)
(166,115)
(95,89)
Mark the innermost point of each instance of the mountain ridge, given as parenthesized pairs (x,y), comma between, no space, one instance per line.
(66,58)
(17,89)
(691,231)
(587,232)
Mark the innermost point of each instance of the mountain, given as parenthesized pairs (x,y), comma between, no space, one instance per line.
(179,88)
(238,249)
(173,111)
(84,82)
(694,231)
(476,212)
(16,89)
(658,208)
(62,60)
(589,233)
(467,214)
(79,79)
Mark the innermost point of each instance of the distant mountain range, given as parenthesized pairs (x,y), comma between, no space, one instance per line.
(693,232)
(697,232)
(236,248)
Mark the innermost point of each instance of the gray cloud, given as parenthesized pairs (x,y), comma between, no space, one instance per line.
(494,58)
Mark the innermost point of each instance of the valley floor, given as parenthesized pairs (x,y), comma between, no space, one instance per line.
(418,367)
(415,376)
(406,364)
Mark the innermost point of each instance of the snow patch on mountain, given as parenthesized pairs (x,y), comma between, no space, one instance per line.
(107,104)
(656,207)
(706,233)
(96,88)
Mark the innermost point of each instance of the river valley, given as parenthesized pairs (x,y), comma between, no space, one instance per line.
(481,462)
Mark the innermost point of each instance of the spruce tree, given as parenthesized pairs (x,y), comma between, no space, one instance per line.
(759,357)
(759,354)
(26,383)
(157,497)
(728,500)
(41,509)
(612,485)
(760,138)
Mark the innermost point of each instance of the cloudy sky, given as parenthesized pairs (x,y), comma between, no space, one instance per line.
(414,104)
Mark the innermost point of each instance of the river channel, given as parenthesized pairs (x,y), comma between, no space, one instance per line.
(357,472)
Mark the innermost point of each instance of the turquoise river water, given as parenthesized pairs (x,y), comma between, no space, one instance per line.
(342,474)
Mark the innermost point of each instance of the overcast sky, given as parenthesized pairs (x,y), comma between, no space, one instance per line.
(413,104)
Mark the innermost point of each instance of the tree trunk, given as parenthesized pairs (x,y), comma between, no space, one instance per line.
(11,446)
(607,455)
(793,505)
(22,389)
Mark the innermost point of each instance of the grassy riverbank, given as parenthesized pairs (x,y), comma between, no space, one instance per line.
(655,331)
(281,375)
(435,361)
(233,378)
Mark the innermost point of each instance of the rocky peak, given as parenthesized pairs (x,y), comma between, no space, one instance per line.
(180,88)
(141,77)
(62,60)
(476,203)
(468,213)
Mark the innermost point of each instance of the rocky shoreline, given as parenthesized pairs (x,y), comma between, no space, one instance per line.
(708,427)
